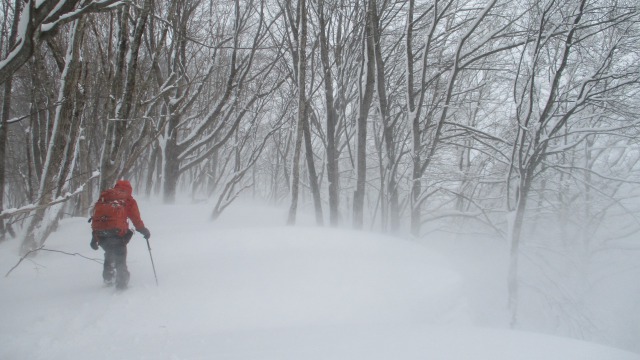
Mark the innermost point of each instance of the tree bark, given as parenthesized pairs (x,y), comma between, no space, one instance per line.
(300,118)
(6,111)
(51,184)
(366,98)
(387,131)
(34,14)
(313,176)
(304,114)
(332,160)
(112,159)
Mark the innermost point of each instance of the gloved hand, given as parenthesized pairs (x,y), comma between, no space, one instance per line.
(145,232)
(94,243)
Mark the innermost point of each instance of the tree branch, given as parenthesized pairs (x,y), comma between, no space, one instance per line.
(50,250)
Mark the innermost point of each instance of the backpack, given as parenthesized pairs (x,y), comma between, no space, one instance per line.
(109,212)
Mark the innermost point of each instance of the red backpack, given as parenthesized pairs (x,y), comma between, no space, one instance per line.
(109,212)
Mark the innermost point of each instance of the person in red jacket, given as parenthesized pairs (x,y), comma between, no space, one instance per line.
(111,231)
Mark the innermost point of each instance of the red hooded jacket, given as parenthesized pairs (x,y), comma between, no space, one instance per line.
(131,205)
(121,193)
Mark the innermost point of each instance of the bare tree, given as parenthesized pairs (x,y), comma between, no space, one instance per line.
(126,72)
(366,98)
(246,81)
(40,19)
(247,144)
(392,140)
(6,112)
(300,38)
(61,149)
(549,123)
(340,28)
(470,41)
(332,161)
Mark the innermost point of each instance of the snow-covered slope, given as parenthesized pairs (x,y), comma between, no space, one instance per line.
(247,288)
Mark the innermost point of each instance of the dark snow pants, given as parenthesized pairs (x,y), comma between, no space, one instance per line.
(115,258)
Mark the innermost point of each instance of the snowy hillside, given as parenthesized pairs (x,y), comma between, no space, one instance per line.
(248,288)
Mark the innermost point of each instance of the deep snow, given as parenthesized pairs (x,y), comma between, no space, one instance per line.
(248,288)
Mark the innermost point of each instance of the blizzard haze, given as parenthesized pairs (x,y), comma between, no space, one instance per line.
(247,288)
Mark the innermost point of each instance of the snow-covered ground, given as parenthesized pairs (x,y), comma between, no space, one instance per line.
(248,288)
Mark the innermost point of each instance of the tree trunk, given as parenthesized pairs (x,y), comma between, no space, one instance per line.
(413,114)
(313,176)
(302,98)
(171,168)
(301,65)
(112,161)
(390,170)
(51,184)
(332,160)
(110,145)
(6,111)
(514,251)
(366,98)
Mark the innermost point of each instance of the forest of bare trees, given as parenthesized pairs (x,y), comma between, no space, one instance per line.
(512,119)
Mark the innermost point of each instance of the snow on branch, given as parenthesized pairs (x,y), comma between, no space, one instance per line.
(93,6)
(40,18)
(7,213)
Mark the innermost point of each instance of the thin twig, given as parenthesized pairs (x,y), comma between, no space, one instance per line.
(50,250)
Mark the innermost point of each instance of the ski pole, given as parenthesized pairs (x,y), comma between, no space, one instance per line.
(152,265)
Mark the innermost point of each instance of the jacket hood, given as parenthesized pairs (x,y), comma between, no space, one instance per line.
(124,185)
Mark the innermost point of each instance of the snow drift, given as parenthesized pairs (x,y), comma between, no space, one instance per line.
(246,288)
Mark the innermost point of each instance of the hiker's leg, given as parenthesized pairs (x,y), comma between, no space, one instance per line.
(109,263)
(122,273)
